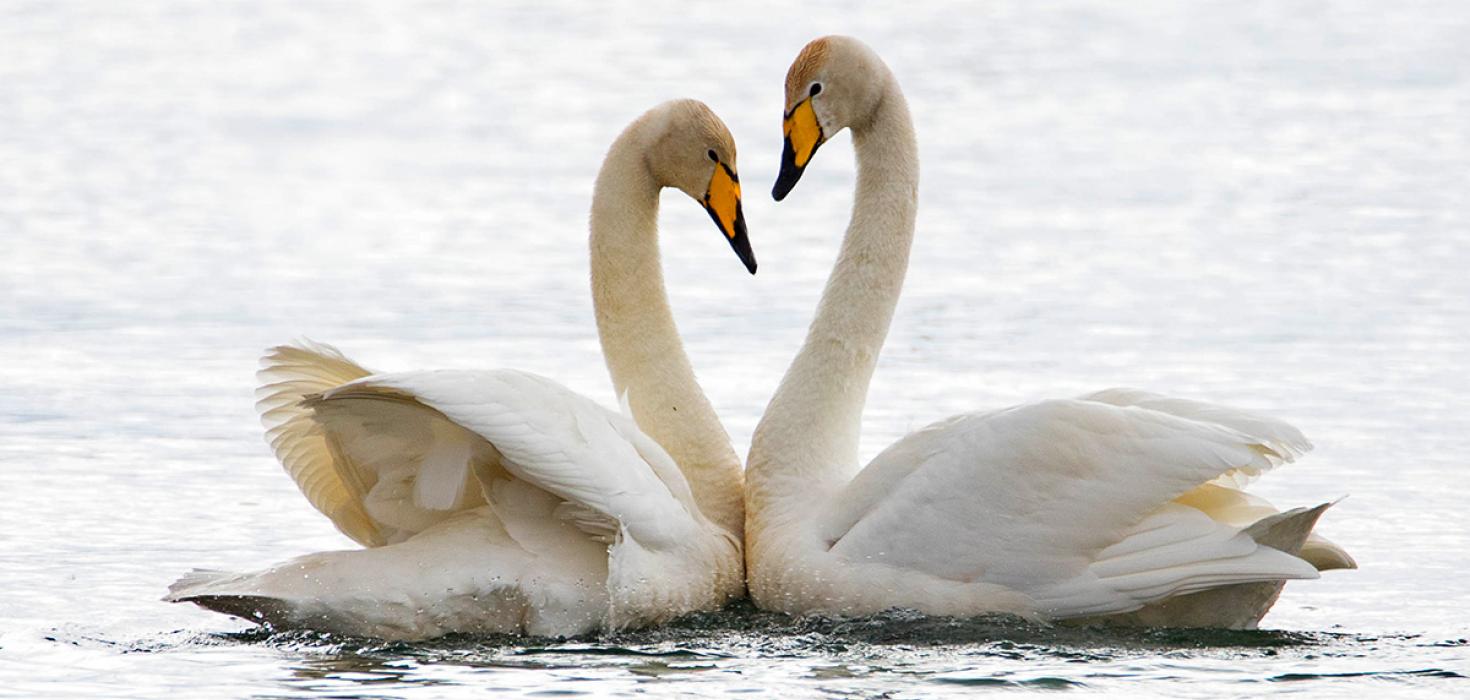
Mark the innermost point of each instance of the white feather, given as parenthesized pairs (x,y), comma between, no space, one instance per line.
(500,501)
(442,476)
(1104,505)
(502,498)
(1064,501)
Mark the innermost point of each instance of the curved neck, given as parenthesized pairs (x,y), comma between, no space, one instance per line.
(806,445)
(640,342)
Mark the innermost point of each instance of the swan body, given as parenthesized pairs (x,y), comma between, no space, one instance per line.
(1121,505)
(500,501)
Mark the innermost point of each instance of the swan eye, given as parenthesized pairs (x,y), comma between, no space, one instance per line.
(714,156)
(816,89)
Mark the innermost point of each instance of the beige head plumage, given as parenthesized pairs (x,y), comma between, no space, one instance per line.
(852,76)
(687,147)
(803,70)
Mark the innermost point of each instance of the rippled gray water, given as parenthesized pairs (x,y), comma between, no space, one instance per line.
(1263,204)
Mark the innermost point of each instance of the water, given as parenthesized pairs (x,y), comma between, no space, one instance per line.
(1262,204)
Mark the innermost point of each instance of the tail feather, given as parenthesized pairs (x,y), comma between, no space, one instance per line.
(467,575)
(1292,532)
(1286,531)
(259,609)
(207,589)
(1326,555)
(1238,606)
(192,581)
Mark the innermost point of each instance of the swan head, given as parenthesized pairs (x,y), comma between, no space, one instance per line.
(691,150)
(835,82)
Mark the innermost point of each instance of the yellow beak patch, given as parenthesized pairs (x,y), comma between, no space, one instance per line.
(723,199)
(803,132)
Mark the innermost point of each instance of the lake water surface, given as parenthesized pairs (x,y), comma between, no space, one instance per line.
(1265,204)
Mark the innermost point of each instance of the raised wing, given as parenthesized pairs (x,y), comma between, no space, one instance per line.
(456,428)
(1224,499)
(1067,501)
(288,374)
(1280,436)
(387,456)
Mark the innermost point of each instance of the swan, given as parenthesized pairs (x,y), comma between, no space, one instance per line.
(1120,505)
(500,501)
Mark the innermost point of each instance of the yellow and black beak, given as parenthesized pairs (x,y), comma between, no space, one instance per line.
(803,136)
(722,201)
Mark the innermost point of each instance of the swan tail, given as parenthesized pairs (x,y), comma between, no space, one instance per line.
(1292,532)
(261,610)
(195,579)
(224,592)
(1176,552)
(1286,531)
(466,574)
(1279,541)
(247,597)
(1325,554)
(288,375)
(401,604)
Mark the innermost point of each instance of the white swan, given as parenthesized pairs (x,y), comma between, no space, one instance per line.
(1117,502)
(500,501)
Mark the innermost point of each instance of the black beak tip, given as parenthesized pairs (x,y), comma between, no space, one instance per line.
(742,243)
(789,174)
(780,191)
(786,181)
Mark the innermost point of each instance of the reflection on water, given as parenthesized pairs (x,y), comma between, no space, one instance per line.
(1263,205)
(727,649)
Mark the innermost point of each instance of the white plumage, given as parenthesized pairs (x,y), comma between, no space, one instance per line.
(499,489)
(501,501)
(1122,504)
(1058,509)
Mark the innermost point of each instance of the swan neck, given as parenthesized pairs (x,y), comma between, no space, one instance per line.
(806,445)
(640,341)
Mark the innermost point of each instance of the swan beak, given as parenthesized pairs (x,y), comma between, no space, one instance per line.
(803,136)
(722,201)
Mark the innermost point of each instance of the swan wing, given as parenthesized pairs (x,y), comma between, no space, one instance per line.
(288,374)
(1223,498)
(1067,501)
(1281,437)
(432,436)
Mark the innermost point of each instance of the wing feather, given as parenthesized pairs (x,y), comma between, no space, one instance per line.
(1065,500)
(288,375)
(1282,441)
(388,455)
(556,440)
